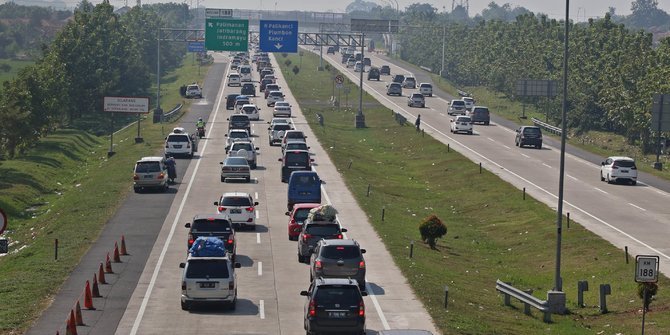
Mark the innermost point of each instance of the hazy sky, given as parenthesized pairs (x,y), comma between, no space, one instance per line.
(554,8)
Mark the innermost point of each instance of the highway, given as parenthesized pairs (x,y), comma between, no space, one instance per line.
(634,216)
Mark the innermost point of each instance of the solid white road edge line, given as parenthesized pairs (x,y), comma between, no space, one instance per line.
(161,258)
(638,207)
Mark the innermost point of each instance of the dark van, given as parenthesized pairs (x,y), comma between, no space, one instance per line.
(295,160)
(373,74)
(480,114)
(230,101)
(303,187)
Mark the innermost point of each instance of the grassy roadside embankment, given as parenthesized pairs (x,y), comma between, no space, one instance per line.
(66,188)
(14,67)
(492,232)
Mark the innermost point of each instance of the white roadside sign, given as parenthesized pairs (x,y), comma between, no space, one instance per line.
(646,269)
(126,104)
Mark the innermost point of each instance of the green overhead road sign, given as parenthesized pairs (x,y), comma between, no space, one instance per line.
(226,34)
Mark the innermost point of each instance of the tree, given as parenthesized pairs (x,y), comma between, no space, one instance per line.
(432,228)
(646,14)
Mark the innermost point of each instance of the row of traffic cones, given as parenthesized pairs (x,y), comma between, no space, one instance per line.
(93,291)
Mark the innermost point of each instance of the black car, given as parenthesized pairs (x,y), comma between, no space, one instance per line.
(294,160)
(529,135)
(248,89)
(230,101)
(264,83)
(331,50)
(239,121)
(216,225)
(385,70)
(373,74)
(398,78)
(334,305)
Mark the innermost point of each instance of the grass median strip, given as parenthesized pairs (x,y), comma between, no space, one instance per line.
(492,232)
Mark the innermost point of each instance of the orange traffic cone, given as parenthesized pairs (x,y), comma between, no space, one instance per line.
(79,321)
(88,299)
(117,257)
(108,265)
(71,328)
(124,252)
(95,291)
(101,275)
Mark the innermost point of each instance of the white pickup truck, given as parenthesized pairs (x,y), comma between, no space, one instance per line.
(193,91)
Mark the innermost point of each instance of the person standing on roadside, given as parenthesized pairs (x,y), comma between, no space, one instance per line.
(418,122)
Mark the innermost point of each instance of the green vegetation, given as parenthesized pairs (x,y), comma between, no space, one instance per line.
(66,188)
(493,232)
(10,68)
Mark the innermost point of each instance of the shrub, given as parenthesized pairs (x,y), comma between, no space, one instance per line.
(296,69)
(432,228)
(288,62)
(652,289)
(284,54)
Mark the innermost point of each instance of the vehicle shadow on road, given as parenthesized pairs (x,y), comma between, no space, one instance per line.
(243,307)
(245,261)
(375,289)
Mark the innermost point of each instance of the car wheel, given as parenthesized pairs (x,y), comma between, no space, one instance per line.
(634,182)
(486,123)
(299,258)
(470,133)
(601,176)
(166,188)
(185,305)
(136,189)
(232,305)
(223,179)
(539,146)
(247,179)
(609,181)
(254,166)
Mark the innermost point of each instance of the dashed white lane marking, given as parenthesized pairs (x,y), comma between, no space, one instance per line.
(256,195)
(258,215)
(258,238)
(490,139)
(260,268)
(638,207)
(524,155)
(571,177)
(549,166)
(261,309)
(506,147)
(597,189)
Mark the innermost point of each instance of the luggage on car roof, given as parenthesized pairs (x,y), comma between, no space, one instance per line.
(208,246)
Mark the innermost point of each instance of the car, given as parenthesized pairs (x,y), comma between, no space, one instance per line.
(245,73)
(269,88)
(480,114)
(426,89)
(469,103)
(276,132)
(296,217)
(312,232)
(245,149)
(293,135)
(234,66)
(398,78)
(351,61)
(295,145)
(266,71)
(394,89)
(461,124)
(239,121)
(416,100)
(239,207)
(385,70)
(240,101)
(303,187)
(409,82)
(234,79)
(294,160)
(271,77)
(334,305)
(358,56)
(335,258)
(529,135)
(252,111)
(217,225)
(235,135)
(346,56)
(230,101)
(373,73)
(280,120)
(264,83)
(150,172)
(617,169)
(330,50)
(193,91)
(456,107)
(367,61)
(358,67)
(208,280)
(273,97)
(235,168)
(180,143)
(282,108)
(248,89)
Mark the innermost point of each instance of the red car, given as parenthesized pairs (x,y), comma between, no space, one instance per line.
(296,217)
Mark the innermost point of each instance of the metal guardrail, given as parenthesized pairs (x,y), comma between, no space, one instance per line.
(401,119)
(527,299)
(174,112)
(546,126)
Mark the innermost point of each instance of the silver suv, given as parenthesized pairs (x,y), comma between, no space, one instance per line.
(244,149)
(276,132)
(150,172)
(394,89)
(180,143)
(457,107)
(338,259)
(208,280)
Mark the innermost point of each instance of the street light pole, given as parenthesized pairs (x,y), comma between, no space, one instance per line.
(444,32)
(159,111)
(360,118)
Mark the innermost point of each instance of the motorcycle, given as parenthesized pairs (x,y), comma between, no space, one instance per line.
(201,132)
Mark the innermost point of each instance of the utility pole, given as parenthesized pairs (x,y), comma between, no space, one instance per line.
(444,32)
(360,118)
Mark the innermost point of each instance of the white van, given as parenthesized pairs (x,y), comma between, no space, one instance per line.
(245,73)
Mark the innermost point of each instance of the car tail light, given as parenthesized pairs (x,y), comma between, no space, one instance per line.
(161,175)
(339,236)
(250,219)
(190,240)
(361,265)
(136,177)
(250,209)
(230,241)
(183,285)
(231,285)
(312,308)
(361,309)
(222,209)
(305,237)
(318,265)
(292,221)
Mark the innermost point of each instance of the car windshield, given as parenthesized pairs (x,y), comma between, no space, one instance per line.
(239,118)
(210,225)
(241,146)
(295,134)
(211,268)
(301,214)
(323,229)
(296,146)
(534,131)
(624,164)
(297,158)
(272,87)
(463,119)
(481,110)
(305,179)
(279,127)
(341,251)
(177,138)
(236,202)
(458,103)
(338,294)
(235,161)
(238,134)
(147,167)
(249,110)
(192,87)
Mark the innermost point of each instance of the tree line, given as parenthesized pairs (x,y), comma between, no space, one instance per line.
(613,71)
(97,53)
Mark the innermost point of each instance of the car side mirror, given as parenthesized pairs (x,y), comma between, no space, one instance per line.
(221,163)
(344,230)
(362,251)
(187,225)
(216,203)
(256,203)
(227,119)
(287,213)
(182,265)
(363,293)
(311,159)
(603,163)
(452,120)
(238,265)
(225,135)
(279,160)
(257,148)
(310,249)
(304,293)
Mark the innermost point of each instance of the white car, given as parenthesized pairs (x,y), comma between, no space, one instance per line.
(179,142)
(244,149)
(280,120)
(276,132)
(252,111)
(469,103)
(239,207)
(193,91)
(461,124)
(426,89)
(456,107)
(234,79)
(208,279)
(618,168)
(358,67)
(282,108)
(235,135)
(351,62)
(274,96)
